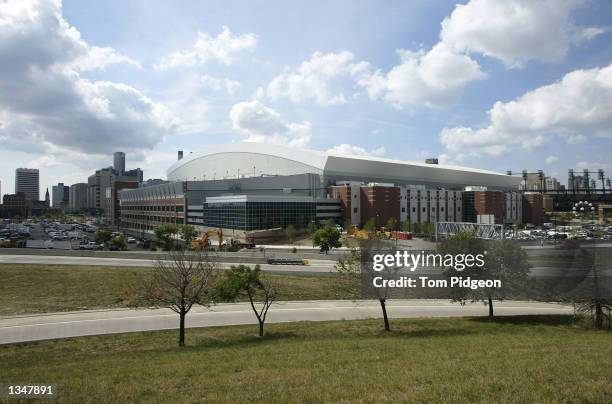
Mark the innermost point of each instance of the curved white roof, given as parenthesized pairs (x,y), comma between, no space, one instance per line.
(254,159)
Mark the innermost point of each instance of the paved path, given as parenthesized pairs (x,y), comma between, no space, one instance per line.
(314,265)
(73,324)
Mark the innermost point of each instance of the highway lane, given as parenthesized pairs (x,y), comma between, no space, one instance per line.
(318,266)
(98,322)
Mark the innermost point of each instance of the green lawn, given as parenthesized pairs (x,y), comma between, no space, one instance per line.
(514,359)
(26,289)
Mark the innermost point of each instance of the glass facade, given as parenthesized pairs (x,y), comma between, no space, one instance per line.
(258,215)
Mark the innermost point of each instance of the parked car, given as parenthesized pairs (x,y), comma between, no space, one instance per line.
(90,246)
(131,240)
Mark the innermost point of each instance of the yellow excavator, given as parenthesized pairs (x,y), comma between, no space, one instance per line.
(204,241)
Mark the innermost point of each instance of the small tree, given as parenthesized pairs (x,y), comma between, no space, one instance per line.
(103,236)
(347,225)
(330,223)
(326,238)
(188,233)
(241,280)
(165,235)
(504,260)
(406,226)
(370,225)
(179,281)
(118,243)
(290,233)
(391,224)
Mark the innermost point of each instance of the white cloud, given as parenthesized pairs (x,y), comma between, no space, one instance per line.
(45,102)
(264,125)
(223,48)
(551,159)
(579,104)
(434,79)
(218,84)
(576,139)
(346,149)
(312,80)
(516,31)
(592,166)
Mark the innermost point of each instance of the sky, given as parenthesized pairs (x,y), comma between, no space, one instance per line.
(499,85)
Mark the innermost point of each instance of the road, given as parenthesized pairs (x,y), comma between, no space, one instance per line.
(315,266)
(83,323)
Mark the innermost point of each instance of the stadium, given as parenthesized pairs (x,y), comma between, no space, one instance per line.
(251,190)
(243,159)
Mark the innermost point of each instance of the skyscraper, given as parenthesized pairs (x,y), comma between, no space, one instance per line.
(27,181)
(60,194)
(119,162)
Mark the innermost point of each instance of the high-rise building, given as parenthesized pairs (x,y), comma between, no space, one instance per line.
(27,181)
(119,162)
(77,199)
(61,194)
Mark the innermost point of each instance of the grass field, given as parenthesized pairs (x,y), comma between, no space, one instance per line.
(513,359)
(26,289)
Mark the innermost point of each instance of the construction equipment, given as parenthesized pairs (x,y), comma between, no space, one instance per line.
(204,241)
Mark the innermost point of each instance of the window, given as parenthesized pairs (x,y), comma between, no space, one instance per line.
(354,210)
(413,210)
(403,209)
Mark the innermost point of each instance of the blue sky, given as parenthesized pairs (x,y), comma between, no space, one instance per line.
(488,84)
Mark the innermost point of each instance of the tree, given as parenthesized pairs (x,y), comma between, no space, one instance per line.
(241,280)
(165,234)
(188,233)
(347,225)
(348,268)
(290,233)
(416,227)
(383,293)
(330,223)
(370,225)
(103,236)
(391,224)
(326,238)
(179,281)
(118,243)
(406,226)
(504,260)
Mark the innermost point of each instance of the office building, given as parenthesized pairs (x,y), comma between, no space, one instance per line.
(77,200)
(533,208)
(60,194)
(119,163)
(27,181)
(16,205)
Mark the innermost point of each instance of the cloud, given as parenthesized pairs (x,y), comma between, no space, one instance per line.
(576,139)
(579,104)
(44,102)
(551,159)
(592,166)
(312,80)
(516,31)
(264,125)
(346,149)
(433,79)
(223,49)
(218,84)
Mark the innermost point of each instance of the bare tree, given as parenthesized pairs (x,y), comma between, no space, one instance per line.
(180,280)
